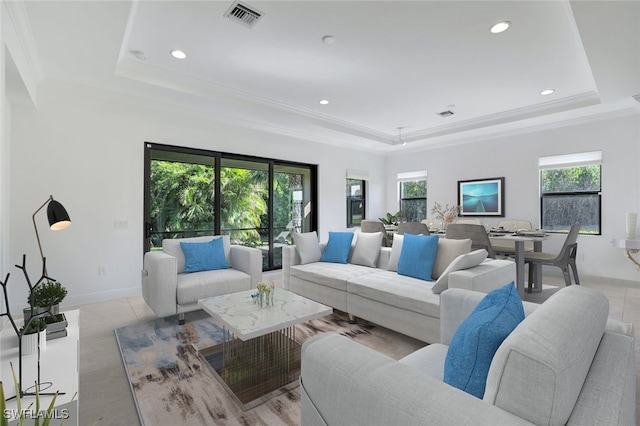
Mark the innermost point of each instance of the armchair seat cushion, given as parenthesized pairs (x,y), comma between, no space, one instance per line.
(406,293)
(199,285)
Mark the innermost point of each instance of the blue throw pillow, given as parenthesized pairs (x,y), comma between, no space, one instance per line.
(477,339)
(418,255)
(207,256)
(338,247)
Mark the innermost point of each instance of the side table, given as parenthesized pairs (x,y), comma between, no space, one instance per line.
(59,365)
(630,246)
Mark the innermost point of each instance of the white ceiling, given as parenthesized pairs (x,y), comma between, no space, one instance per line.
(393,64)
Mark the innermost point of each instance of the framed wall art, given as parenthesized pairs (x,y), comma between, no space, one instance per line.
(481,197)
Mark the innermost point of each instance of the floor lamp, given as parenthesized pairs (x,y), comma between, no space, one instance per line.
(58,219)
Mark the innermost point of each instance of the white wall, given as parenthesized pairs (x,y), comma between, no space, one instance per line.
(515,157)
(86,149)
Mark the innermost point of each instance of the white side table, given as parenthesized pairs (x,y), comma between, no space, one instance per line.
(631,247)
(59,364)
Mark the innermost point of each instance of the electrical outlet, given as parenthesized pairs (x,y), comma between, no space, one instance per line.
(102,270)
(121,224)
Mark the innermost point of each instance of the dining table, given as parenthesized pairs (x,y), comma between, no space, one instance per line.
(519,239)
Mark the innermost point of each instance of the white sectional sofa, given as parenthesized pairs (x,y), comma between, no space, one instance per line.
(565,363)
(377,293)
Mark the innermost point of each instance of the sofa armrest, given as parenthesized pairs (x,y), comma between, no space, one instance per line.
(487,276)
(290,257)
(160,282)
(247,260)
(345,383)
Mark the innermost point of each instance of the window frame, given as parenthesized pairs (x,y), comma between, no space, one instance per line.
(412,177)
(362,198)
(571,161)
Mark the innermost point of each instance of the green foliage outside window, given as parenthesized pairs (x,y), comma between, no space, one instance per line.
(571,195)
(413,200)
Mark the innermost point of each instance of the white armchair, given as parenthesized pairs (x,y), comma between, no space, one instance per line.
(168,290)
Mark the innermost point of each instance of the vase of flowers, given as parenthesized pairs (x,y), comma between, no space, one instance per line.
(446,214)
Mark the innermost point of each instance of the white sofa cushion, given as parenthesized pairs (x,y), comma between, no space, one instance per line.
(307,246)
(464,261)
(396,250)
(328,274)
(199,285)
(412,294)
(367,249)
(172,247)
(539,370)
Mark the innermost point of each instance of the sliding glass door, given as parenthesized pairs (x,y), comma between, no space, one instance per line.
(257,202)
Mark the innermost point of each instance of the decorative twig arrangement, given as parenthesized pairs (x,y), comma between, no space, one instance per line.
(21,332)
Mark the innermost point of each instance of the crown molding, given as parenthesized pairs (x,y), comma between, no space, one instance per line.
(17,14)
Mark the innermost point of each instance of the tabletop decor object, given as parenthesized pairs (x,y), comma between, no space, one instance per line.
(446,214)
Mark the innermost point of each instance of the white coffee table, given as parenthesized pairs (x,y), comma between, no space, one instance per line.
(259,357)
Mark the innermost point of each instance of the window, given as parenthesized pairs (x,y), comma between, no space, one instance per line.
(413,196)
(356,197)
(570,192)
(258,202)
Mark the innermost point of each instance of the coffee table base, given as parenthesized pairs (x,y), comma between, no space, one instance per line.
(255,370)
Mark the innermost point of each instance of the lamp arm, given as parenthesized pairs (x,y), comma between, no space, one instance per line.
(33,218)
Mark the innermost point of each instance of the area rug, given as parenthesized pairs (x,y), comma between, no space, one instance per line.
(171,385)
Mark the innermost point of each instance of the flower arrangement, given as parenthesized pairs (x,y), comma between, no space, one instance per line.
(265,293)
(447,214)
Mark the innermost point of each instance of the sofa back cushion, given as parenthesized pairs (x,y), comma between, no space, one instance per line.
(307,246)
(367,249)
(172,247)
(539,370)
(448,250)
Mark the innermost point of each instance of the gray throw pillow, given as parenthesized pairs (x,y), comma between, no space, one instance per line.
(396,250)
(448,250)
(307,246)
(367,249)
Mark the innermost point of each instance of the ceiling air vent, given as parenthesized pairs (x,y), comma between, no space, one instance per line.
(446,113)
(243,14)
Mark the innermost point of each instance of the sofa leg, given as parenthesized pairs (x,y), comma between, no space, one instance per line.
(352,319)
(181,318)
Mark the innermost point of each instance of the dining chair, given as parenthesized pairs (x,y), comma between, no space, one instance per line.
(370,225)
(564,260)
(506,247)
(477,234)
(415,228)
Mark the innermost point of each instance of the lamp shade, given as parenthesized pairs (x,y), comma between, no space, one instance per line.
(58,216)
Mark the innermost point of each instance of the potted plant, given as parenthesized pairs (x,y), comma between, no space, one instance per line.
(391,220)
(30,335)
(46,299)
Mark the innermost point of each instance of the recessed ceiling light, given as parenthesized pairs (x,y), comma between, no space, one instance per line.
(500,27)
(547,92)
(178,54)
(324,102)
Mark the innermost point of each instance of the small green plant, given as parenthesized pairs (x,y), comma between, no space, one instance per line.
(391,219)
(35,326)
(48,294)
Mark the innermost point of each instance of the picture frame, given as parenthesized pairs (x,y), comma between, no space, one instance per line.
(481,197)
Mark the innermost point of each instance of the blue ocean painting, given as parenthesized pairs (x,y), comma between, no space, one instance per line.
(480,197)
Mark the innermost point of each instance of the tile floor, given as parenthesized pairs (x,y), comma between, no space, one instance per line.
(104,389)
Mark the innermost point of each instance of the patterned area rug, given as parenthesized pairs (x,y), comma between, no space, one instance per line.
(171,385)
